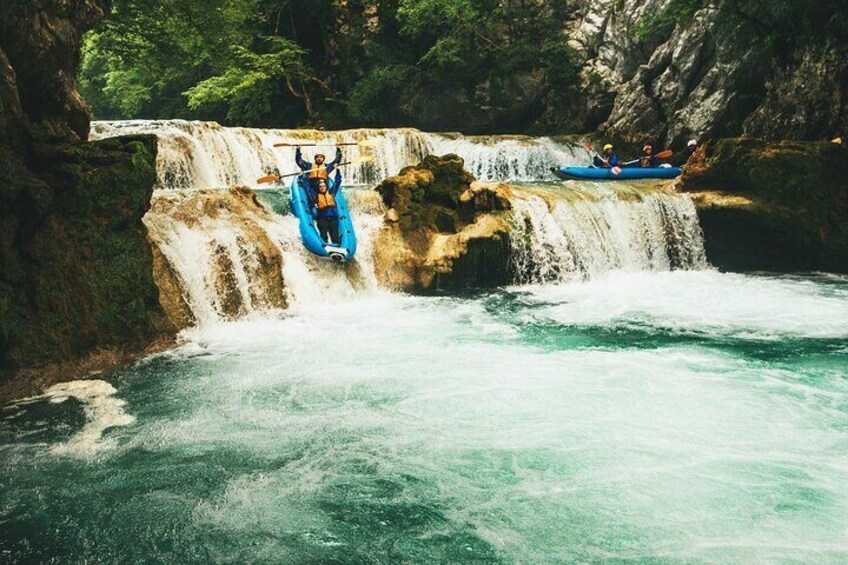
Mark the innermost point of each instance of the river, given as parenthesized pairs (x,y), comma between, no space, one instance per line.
(622,402)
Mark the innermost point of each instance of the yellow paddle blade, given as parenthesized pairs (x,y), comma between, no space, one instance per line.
(269,178)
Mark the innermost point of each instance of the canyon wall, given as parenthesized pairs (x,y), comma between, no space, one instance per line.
(76,267)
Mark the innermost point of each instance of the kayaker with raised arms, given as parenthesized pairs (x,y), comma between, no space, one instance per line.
(323,197)
(318,170)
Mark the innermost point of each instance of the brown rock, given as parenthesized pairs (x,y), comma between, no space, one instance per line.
(446,231)
(392,215)
(240,210)
(772,206)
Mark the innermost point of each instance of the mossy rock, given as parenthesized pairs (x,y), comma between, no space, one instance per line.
(427,195)
(444,231)
(796,192)
(78,273)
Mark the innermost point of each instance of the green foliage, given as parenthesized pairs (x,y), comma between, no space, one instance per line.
(562,65)
(377,98)
(426,18)
(248,85)
(316,62)
(784,26)
(147,53)
(127,88)
(654,27)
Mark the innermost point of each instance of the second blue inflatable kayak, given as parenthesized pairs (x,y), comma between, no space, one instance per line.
(627,173)
(305,212)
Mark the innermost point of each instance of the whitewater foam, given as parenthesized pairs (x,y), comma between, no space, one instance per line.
(571,234)
(102,410)
(698,302)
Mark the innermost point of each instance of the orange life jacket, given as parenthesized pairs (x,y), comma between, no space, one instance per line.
(324,200)
(318,172)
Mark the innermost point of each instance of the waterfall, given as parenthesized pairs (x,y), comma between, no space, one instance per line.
(225,253)
(205,154)
(227,256)
(560,236)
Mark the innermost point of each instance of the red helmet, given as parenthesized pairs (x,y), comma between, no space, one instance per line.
(647,148)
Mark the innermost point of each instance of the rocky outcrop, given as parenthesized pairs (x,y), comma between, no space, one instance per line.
(442,229)
(221,239)
(778,206)
(76,265)
(669,70)
(76,268)
(40,41)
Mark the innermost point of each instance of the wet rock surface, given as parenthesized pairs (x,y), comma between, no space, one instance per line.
(772,206)
(443,230)
(231,227)
(77,270)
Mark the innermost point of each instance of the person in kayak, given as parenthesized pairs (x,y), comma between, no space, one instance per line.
(323,197)
(648,159)
(683,157)
(608,160)
(317,170)
(691,147)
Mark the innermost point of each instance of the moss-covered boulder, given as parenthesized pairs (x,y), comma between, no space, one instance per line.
(77,269)
(778,206)
(443,230)
(76,285)
(427,196)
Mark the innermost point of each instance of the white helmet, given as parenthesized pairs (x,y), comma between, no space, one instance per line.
(692,143)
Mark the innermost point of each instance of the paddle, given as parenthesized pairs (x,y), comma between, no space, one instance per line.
(661,155)
(615,170)
(272,178)
(363,143)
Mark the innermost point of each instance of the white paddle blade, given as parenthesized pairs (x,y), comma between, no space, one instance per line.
(362,159)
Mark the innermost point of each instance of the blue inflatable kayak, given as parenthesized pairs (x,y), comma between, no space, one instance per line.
(305,212)
(627,173)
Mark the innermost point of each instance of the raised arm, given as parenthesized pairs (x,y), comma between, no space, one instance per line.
(298,158)
(336,162)
(311,193)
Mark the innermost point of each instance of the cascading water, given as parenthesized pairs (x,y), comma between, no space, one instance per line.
(224,262)
(204,154)
(656,414)
(586,233)
(230,256)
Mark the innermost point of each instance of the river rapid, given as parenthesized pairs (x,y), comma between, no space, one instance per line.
(639,410)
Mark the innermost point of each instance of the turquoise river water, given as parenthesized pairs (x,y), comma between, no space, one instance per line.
(653,417)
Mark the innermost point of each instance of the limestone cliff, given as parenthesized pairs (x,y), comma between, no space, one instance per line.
(669,70)
(76,273)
